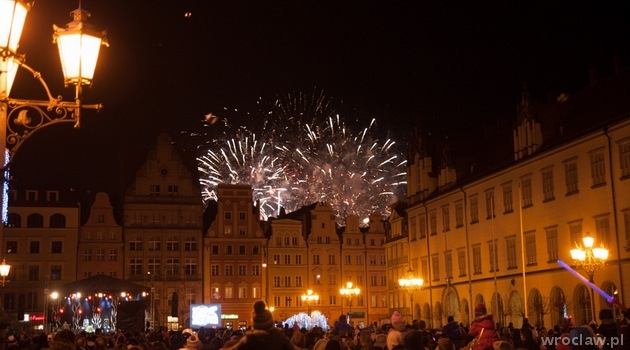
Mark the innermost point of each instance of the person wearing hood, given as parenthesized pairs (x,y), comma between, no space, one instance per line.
(395,335)
(265,335)
(342,328)
(483,329)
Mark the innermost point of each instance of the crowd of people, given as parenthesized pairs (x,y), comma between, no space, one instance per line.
(483,334)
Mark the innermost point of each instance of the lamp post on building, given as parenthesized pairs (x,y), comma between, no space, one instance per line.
(349,293)
(590,259)
(310,298)
(410,284)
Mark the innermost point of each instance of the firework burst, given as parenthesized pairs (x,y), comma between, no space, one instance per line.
(307,154)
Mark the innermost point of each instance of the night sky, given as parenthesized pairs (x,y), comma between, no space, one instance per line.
(451,65)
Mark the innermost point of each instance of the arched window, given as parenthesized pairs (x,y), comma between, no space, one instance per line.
(558,306)
(497,309)
(610,289)
(582,305)
(58,221)
(35,220)
(14,220)
(536,308)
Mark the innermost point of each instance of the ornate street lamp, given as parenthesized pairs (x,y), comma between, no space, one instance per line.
(590,259)
(78,45)
(348,293)
(410,284)
(310,298)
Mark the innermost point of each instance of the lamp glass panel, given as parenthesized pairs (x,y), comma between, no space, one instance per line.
(78,53)
(4,269)
(588,241)
(578,254)
(600,253)
(12,17)
(9,66)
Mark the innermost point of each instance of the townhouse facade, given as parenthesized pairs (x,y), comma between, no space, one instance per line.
(233,249)
(163,238)
(40,243)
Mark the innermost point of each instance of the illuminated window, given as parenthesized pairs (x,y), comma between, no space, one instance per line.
(548,186)
(552,244)
(461,261)
(474,210)
(598,167)
(526,191)
(446,219)
(530,248)
(571,176)
(477,259)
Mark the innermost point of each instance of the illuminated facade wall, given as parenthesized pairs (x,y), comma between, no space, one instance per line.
(496,238)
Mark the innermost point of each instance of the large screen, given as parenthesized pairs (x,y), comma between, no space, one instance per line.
(205,315)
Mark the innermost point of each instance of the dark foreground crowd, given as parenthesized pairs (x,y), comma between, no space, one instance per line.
(483,334)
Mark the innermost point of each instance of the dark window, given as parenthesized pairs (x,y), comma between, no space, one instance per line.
(55,272)
(57,221)
(14,220)
(33,273)
(57,247)
(12,247)
(215,249)
(35,220)
(34,248)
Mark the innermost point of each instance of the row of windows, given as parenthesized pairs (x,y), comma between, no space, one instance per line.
(241,250)
(34,247)
(227,215)
(510,245)
(241,270)
(228,293)
(296,300)
(112,254)
(171,245)
(156,190)
(357,241)
(165,217)
(36,220)
(155,267)
(34,274)
(548,190)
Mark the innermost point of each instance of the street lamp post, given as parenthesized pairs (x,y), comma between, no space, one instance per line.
(590,259)
(348,293)
(410,284)
(78,45)
(309,298)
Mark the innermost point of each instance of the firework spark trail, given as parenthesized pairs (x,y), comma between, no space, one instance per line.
(321,160)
